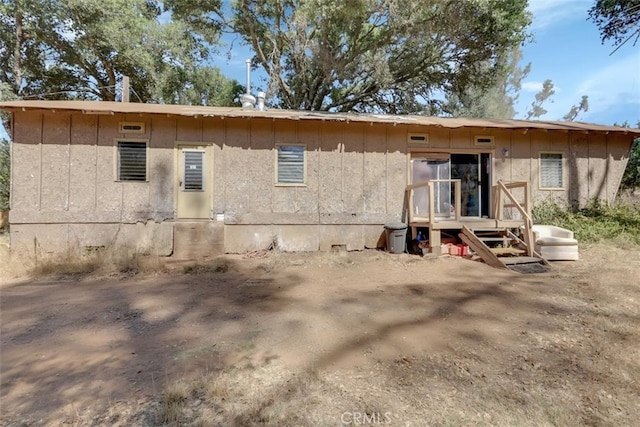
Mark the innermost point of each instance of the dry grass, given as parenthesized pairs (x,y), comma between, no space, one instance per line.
(99,262)
(171,409)
(218,265)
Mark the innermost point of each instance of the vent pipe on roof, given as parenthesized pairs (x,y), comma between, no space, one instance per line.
(248,100)
(125,89)
(261,97)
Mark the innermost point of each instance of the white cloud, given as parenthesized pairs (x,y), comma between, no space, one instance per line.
(547,13)
(533,87)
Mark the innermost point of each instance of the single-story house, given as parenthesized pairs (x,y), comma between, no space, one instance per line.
(173,179)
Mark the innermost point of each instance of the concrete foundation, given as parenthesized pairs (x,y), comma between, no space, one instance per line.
(301,238)
(197,240)
(35,240)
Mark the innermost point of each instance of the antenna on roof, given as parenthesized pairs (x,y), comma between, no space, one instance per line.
(248,100)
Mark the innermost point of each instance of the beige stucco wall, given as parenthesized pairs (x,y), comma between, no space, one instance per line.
(64,174)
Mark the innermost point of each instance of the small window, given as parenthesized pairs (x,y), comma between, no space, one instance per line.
(484,140)
(290,164)
(193,170)
(132,161)
(131,127)
(551,170)
(418,138)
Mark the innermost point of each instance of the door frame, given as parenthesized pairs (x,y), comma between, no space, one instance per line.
(416,152)
(208,172)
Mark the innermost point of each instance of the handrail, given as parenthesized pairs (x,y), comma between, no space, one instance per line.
(516,204)
(430,188)
(524,211)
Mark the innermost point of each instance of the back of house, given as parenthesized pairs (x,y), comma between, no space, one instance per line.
(199,181)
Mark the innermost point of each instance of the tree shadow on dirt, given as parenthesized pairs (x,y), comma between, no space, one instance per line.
(67,344)
(495,344)
(494,334)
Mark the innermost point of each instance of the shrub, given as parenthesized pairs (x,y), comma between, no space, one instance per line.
(631,177)
(596,222)
(5,174)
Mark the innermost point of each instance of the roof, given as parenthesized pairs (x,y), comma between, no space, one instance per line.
(107,107)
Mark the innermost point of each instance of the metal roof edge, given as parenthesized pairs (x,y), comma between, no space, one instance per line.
(110,107)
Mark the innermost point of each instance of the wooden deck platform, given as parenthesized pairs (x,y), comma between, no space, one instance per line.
(468,221)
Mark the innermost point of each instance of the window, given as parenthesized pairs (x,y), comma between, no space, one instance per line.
(131,127)
(483,140)
(418,138)
(193,170)
(290,164)
(132,161)
(551,170)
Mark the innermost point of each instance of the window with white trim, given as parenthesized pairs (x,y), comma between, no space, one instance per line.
(290,164)
(551,170)
(132,161)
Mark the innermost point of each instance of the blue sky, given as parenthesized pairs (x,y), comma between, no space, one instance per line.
(567,49)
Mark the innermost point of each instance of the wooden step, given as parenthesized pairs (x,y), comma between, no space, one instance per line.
(480,248)
(507,251)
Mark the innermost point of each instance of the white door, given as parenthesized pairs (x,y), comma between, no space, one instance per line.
(194,189)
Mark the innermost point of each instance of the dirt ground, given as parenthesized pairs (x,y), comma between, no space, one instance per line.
(358,338)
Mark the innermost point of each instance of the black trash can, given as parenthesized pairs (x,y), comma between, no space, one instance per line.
(396,237)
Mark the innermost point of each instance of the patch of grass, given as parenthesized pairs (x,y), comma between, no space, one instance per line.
(618,223)
(104,261)
(67,264)
(172,405)
(218,265)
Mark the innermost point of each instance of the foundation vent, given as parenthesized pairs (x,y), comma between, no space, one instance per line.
(418,138)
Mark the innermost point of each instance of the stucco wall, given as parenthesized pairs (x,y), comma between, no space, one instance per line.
(64,173)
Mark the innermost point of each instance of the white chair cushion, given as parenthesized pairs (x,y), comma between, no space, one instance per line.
(556,241)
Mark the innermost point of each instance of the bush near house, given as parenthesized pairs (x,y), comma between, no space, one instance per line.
(631,177)
(597,222)
(5,174)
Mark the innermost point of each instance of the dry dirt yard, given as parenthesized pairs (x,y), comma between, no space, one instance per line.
(359,338)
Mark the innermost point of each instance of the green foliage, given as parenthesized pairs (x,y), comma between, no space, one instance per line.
(618,20)
(575,109)
(393,56)
(202,86)
(497,101)
(631,177)
(78,49)
(545,93)
(5,174)
(594,223)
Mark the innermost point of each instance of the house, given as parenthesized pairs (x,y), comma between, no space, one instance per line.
(173,179)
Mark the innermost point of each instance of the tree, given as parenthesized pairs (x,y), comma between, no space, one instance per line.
(497,101)
(546,92)
(5,174)
(575,109)
(631,177)
(202,86)
(618,20)
(394,56)
(78,49)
